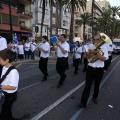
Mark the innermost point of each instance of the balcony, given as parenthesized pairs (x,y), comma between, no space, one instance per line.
(26,14)
(26,29)
(25,2)
(6,27)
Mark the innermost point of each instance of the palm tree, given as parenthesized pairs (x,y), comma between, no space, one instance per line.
(72,5)
(115,11)
(85,19)
(104,20)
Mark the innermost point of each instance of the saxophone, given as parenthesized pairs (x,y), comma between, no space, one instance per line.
(104,39)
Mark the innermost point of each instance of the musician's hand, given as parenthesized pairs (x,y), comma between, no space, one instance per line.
(91,51)
(58,44)
(76,51)
(39,47)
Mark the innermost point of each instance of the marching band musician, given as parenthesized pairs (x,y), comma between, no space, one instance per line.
(45,52)
(62,54)
(76,57)
(94,73)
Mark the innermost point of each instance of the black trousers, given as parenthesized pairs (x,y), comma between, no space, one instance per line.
(110,59)
(60,68)
(43,66)
(6,113)
(76,64)
(81,57)
(95,75)
(85,64)
(106,62)
(1,70)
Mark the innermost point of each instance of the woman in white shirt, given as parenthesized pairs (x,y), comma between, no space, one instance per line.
(27,50)
(77,56)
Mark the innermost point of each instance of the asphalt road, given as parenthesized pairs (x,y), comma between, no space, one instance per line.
(43,101)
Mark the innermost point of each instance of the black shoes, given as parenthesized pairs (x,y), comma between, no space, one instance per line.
(81,105)
(95,100)
(44,79)
(59,85)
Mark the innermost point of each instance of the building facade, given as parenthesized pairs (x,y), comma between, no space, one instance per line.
(56,20)
(21,19)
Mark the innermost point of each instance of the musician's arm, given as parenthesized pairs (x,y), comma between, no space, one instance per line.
(100,57)
(40,48)
(103,57)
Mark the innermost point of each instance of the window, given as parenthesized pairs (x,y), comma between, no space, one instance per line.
(6,19)
(65,23)
(22,23)
(54,9)
(53,31)
(53,20)
(76,34)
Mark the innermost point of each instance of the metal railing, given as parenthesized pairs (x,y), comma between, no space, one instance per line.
(26,12)
(27,28)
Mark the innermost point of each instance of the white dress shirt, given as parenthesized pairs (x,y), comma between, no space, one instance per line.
(12,79)
(27,48)
(46,47)
(33,46)
(78,55)
(3,43)
(66,47)
(100,63)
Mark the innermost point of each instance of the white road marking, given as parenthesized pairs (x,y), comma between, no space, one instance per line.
(57,102)
(46,110)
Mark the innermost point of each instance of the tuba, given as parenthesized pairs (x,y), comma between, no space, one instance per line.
(104,39)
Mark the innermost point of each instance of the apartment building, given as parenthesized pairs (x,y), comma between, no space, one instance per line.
(56,20)
(78,31)
(36,8)
(21,19)
(103,3)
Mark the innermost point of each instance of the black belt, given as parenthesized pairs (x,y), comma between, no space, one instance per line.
(95,68)
(61,57)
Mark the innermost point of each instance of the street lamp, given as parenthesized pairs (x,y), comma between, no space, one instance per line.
(11,30)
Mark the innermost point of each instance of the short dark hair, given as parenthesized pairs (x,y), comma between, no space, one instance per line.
(45,37)
(63,35)
(78,43)
(7,54)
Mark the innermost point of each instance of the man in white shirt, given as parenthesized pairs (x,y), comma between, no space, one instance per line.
(62,58)
(94,73)
(44,55)
(3,45)
(32,48)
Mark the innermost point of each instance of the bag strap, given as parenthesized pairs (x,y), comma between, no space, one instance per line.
(8,71)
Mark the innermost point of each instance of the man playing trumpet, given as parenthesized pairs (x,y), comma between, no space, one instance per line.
(94,72)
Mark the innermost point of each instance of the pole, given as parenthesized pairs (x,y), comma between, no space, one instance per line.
(92,10)
(11,30)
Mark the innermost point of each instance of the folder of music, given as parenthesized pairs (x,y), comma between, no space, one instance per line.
(53,39)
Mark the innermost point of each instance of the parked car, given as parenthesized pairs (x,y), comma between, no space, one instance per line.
(116,42)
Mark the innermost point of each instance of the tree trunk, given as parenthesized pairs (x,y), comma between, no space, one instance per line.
(43,16)
(84,32)
(72,21)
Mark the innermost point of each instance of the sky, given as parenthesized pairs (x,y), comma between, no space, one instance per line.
(114,2)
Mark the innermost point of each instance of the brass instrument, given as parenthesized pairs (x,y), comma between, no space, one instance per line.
(104,39)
